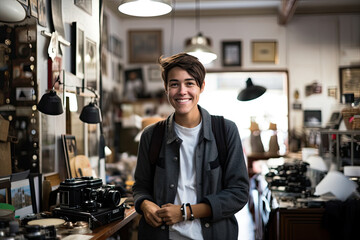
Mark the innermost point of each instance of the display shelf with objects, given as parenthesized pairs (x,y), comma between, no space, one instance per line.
(341,147)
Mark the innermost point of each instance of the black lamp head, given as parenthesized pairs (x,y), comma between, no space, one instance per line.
(251,91)
(91,113)
(50,104)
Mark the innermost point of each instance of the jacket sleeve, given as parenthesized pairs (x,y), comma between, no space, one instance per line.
(235,191)
(143,186)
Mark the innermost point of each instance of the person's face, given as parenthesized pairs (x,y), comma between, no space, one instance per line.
(183,92)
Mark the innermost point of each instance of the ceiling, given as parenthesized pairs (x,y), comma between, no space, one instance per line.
(284,8)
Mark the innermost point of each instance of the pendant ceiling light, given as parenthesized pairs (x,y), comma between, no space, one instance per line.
(251,91)
(145,8)
(200,46)
(11,11)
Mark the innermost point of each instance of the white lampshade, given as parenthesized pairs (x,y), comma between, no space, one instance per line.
(200,48)
(145,8)
(11,11)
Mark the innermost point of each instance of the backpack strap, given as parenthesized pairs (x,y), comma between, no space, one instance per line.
(156,141)
(218,128)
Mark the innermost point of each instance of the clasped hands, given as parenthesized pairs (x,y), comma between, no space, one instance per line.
(156,216)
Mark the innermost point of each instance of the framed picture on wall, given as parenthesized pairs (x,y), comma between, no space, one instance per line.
(34,8)
(145,46)
(116,46)
(42,13)
(154,74)
(5,187)
(78,50)
(350,81)
(90,64)
(264,51)
(70,151)
(231,53)
(85,5)
(134,84)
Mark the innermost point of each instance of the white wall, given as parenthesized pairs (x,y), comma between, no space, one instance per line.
(90,24)
(310,47)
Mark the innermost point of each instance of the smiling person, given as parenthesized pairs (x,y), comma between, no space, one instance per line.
(190,191)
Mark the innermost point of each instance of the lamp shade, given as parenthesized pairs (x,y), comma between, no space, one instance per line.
(251,91)
(91,113)
(199,47)
(50,104)
(12,11)
(145,8)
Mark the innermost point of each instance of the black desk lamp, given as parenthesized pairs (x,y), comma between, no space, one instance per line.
(51,104)
(251,91)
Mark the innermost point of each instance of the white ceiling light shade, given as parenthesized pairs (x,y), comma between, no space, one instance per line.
(199,47)
(145,8)
(11,11)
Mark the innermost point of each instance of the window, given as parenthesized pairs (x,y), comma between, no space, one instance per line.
(220,98)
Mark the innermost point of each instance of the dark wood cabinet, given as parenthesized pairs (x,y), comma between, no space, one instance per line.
(297,224)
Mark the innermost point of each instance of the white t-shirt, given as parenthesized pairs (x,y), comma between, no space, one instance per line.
(186,190)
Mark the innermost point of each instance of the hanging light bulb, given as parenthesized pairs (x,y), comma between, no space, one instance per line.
(145,8)
(199,45)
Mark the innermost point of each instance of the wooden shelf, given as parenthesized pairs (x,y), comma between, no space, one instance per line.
(104,232)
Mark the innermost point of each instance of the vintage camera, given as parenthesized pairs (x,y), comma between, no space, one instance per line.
(290,176)
(87,194)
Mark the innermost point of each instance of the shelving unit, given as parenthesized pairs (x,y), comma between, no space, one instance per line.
(334,139)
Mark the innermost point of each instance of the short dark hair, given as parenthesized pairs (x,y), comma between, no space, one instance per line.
(184,61)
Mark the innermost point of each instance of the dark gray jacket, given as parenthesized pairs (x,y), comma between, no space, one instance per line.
(161,187)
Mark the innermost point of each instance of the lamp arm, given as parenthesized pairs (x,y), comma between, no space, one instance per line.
(92,90)
(57,80)
(88,88)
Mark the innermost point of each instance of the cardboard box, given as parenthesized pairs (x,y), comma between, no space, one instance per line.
(5,149)
(4,129)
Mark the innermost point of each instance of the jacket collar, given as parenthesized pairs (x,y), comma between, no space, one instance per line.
(206,131)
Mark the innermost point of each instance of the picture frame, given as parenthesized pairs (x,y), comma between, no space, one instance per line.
(34,8)
(22,194)
(116,46)
(36,188)
(349,81)
(264,51)
(134,84)
(312,118)
(70,151)
(154,74)
(145,46)
(42,13)
(78,50)
(5,189)
(231,53)
(85,5)
(91,64)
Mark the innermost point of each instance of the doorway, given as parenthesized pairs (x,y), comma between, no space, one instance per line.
(220,98)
